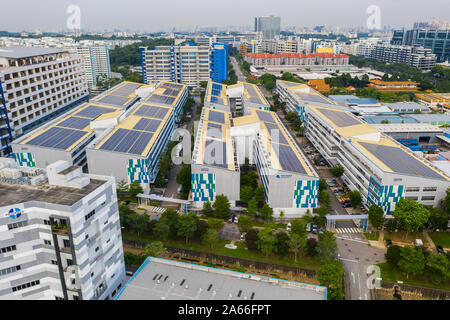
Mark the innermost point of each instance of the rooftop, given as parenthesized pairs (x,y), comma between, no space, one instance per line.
(121,95)
(305,92)
(167,279)
(26,52)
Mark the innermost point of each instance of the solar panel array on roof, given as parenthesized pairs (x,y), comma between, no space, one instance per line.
(217,86)
(74,123)
(151,112)
(171,85)
(312,97)
(400,161)
(250,89)
(216,116)
(126,89)
(113,99)
(287,158)
(127,141)
(213,132)
(150,125)
(265,116)
(214,125)
(276,134)
(56,137)
(161,99)
(215,153)
(340,119)
(255,100)
(93,112)
(171,92)
(216,100)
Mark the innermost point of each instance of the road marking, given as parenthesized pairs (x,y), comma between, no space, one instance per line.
(365,295)
(347,230)
(344,238)
(353,276)
(349,260)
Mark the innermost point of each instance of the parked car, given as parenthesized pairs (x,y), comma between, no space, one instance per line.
(157,192)
(125,203)
(321,230)
(440,249)
(288,227)
(388,243)
(236,220)
(179,189)
(346,205)
(243,236)
(314,229)
(308,227)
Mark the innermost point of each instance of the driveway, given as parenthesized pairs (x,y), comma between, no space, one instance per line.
(230,231)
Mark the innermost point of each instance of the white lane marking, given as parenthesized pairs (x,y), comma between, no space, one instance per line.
(353,276)
(352,240)
(349,260)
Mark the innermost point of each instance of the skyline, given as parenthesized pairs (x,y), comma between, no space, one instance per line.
(153,16)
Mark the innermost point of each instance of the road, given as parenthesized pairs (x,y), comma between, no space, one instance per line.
(236,68)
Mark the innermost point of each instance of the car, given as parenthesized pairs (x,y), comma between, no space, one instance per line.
(243,236)
(346,205)
(440,249)
(314,229)
(125,203)
(157,192)
(236,220)
(308,227)
(179,189)
(321,230)
(388,243)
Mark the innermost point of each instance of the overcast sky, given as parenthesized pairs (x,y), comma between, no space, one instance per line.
(152,15)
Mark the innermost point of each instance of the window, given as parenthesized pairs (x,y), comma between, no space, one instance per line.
(47,222)
(58,298)
(17,225)
(113,293)
(69,262)
(26,285)
(6,271)
(47,242)
(429,189)
(54,262)
(76,298)
(66,243)
(413,189)
(90,214)
(428,198)
(8,249)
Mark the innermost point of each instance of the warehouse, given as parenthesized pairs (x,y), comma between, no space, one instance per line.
(162,279)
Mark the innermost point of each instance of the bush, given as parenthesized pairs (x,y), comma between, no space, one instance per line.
(251,239)
(393,255)
(311,245)
(282,243)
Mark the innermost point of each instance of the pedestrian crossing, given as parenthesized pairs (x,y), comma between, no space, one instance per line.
(156,209)
(348,230)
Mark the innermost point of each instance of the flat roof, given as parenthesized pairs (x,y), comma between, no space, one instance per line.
(438,117)
(26,52)
(13,193)
(390,119)
(216,93)
(305,92)
(159,279)
(167,93)
(253,94)
(407,106)
(121,95)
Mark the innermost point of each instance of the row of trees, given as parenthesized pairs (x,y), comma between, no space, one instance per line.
(418,261)
(165,163)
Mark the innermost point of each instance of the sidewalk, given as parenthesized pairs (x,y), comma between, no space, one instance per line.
(379,244)
(430,243)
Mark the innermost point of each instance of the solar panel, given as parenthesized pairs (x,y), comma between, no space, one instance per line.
(141,143)
(287,158)
(215,153)
(74,123)
(400,161)
(126,89)
(161,99)
(44,136)
(147,125)
(114,140)
(265,116)
(127,141)
(69,139)
(153,126)
(250,89)
(340,119)
(216,116)
(312,97)
(214,132)
(115,100)
(214,125)
(94,111)
(276,134)
(152,112)
(56,137)
(216,100)
(215,92)
(255,100)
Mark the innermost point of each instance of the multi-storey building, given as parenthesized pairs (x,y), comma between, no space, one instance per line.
(297,59)
(61,235)
(36,85)
(418,57)
(268,26)
(393,85)
(95,61)
(381,169)
(187,64)
(121,133)
(438,40)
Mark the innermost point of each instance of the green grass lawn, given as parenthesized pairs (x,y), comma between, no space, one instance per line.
(400,236)
(372,236)
(391,274)
(241,252)
(441,238)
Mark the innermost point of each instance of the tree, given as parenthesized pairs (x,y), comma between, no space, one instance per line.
(392,255)
(296,244)
(331,275)
(281,216)
(337,171)
(438,219)
(266,241)
(187,225)
(298,227)
(324,199)
(170,216)
(446,201)
(259,196)
(322,185)
(155,249)
(376,216)
(162,230)
(124,212)
(252,208)
(244,224)
(221,207)
(202,226)
(327,246)
(207,209)
(410,214)
(250,179)
(311,245)
(246,193)
(266,212)
(122,187)
(210,237)
(282,244)
(355,198)
(251,239)
(135,189)
(215,224)
(184,179)
(438,268)
(412,260)
(138,223)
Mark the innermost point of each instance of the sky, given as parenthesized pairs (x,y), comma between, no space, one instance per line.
(152,16)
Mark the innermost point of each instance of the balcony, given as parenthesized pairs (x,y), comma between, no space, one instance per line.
(60,229)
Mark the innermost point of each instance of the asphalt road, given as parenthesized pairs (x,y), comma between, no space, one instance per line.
(236,68)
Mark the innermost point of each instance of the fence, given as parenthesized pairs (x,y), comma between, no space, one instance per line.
(417,291)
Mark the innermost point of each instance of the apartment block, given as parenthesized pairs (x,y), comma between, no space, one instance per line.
(95,62)
(36,85)
(297,59)
(61,235)
(418,57)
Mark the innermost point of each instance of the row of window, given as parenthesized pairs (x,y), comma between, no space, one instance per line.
(424,198)
(424,189)
(17,225)
(8,249)
(26,285)
(6,271)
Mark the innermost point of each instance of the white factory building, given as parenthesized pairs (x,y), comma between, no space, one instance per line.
(36,85)
(60,234)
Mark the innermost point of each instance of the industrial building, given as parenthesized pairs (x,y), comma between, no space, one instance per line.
(380,168)
(186,63)
(162,279)
(143,116)
(36,85)
(61,236)
(95,62)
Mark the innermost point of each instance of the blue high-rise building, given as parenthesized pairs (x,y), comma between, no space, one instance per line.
(218,62)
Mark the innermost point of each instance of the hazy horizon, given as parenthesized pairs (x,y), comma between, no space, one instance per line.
(153,16)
